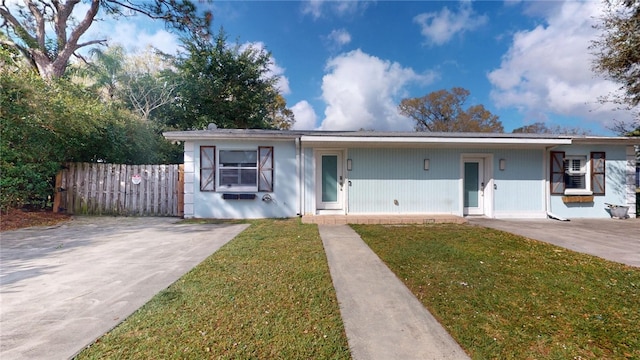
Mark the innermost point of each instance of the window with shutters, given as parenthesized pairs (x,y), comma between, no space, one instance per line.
(577,175)
(247,170)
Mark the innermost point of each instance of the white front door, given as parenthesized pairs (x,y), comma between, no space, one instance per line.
(474,184)
(329,180)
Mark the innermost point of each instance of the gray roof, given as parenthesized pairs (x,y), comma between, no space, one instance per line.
(292,134)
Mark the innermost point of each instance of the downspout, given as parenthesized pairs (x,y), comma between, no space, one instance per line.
(299,175)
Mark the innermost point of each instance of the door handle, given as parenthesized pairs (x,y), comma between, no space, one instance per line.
(341,182)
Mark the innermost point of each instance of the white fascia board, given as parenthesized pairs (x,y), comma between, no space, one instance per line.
(184,136)
(432,140)
(594,140)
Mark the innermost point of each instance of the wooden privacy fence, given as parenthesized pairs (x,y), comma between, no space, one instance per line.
(113,189)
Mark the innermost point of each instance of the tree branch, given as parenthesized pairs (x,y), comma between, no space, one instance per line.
(60,20)
(92,42)
(39,18)
(16,26)
(72,43)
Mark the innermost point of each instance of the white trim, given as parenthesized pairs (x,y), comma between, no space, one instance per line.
(585,170)
(330,212)
(578,192)
(235,188)
(340,207)
(489,198)
(430,140)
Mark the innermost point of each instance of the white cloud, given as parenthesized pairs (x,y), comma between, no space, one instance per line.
(362,92)
(160,39)
(339,38)
(305,116)
(313,8)
(134,34)
(440,27)
(316,8)
(547,70)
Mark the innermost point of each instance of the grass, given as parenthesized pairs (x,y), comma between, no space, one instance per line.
(502,296)
(265,295)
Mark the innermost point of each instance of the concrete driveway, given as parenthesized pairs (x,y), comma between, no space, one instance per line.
(63,287)
(615,240)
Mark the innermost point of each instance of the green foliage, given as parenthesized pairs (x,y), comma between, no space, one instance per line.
(44,124)
(616,50)
(442,111)
(228,86)
(542,128)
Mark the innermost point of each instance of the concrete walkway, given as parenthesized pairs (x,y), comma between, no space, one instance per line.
(615,240)
(382,318)
(63,287)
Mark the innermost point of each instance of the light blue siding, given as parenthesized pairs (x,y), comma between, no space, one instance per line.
(615,189)
(519,188)
(394,181)
(284,197)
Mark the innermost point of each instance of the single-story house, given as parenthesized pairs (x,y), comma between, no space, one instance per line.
(233,173)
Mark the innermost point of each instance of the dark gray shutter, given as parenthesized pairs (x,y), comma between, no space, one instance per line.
(207,168)
(597,173)
(265,168)
(557,172)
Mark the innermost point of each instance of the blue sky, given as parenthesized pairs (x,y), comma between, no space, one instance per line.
(347,65)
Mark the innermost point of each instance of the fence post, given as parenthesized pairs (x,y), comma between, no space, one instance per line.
(180,190)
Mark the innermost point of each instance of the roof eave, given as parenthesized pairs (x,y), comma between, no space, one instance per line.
(311,139)
(212,135)
(607,140)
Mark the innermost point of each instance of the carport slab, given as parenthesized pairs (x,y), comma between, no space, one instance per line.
(63,287)
(612,239)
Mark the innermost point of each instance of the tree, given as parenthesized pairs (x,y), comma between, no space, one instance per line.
(280,116)
(135,81)
(617,50)
(44,124)
(104,73)
(25,26)
(227,85)
(442,111)
(542,128)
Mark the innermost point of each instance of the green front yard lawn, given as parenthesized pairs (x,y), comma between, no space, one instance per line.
(267,294)
(502,296)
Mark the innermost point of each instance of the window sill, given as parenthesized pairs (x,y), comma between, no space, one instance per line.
(571,192)
(237,189)
(577,199)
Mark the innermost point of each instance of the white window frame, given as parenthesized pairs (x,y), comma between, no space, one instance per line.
(222,187)
(584,171)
